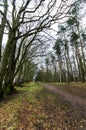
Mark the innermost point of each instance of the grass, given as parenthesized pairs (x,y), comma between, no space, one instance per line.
(8,112)
(78,88)
(35,108)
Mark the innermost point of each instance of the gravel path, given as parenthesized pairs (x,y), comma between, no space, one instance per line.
(77,102)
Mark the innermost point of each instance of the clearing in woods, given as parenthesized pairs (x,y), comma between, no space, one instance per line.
(43,107)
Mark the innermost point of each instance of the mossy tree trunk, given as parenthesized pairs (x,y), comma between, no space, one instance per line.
(9,76)
(5,60)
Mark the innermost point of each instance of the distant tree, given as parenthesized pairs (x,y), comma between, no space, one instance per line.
(77,41)
(57,48)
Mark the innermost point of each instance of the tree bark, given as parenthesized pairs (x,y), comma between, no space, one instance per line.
(83,55)
(5,59)
(80,65)
(9,76)
(2,26)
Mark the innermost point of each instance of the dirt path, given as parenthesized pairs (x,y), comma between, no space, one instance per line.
(78,103)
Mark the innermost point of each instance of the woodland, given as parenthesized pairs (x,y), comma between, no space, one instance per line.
(42,64)
(26,34)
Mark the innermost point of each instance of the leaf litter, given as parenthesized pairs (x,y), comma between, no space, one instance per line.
(38,109)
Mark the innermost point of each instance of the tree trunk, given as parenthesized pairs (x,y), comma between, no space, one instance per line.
(2,26)
(9,77)
(68,78)
(83,56)
(5,59)
(67,61)
(60,69)
(80,65)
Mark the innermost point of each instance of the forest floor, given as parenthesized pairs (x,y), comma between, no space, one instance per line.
(39,106)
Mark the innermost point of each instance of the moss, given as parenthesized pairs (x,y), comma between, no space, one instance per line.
(7,91)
